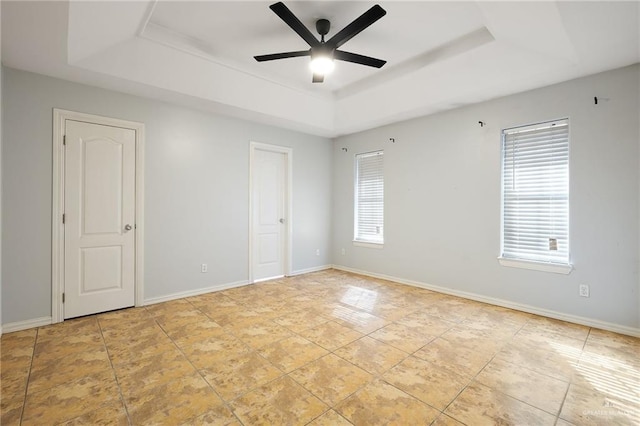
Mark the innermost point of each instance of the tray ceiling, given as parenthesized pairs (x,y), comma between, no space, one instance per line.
(440,54)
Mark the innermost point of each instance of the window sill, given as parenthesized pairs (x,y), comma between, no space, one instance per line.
(556,268)
(368,244)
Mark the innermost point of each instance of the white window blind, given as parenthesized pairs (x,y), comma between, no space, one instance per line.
(369,198)
(535,189)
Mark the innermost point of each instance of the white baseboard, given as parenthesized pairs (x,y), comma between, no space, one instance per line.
(38,322)
(309,270)
(190,293)
(616,328)
(23,325)
(631,331)
(220,287)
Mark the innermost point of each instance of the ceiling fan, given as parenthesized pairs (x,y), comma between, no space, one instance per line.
(323,52)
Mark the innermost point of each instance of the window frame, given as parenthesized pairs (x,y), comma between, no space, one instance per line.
(524,263)
(358,240)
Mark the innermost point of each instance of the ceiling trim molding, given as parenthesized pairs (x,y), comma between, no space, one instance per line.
(457,46)
(193,46)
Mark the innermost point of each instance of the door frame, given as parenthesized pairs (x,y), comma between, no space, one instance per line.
(57,205)
(287,249)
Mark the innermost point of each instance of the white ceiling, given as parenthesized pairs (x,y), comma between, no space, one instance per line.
(440,54)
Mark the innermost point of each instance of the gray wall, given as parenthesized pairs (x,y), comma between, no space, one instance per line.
(442,199)
(196,191)
(442,195)
(0,171)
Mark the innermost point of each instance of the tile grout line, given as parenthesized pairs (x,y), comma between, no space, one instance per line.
(284,374)
(571,381)
(113,370)
(375,375)
(563,402)
(251,349)
(333,406)
(474,377)
(379,376)
(177,347)
(513,397)
(224,401)
(148,315)
(287,374)
(26,388)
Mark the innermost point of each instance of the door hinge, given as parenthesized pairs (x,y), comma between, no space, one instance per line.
(63,218)
(62,297)
(64,139)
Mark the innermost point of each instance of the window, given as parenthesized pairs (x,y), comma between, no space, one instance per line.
(369,198)
(535,197)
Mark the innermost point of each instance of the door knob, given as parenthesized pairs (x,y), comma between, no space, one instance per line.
(127,227)
(281,220)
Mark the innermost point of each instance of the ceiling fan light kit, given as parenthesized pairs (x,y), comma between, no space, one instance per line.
(323,53)
(322,64)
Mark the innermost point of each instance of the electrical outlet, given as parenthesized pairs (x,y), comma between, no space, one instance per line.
(584,290)
(203,267)
(343,252)
(317,252)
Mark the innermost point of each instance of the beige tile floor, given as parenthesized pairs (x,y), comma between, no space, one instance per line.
(327,348)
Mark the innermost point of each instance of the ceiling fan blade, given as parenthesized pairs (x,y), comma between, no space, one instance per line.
(318,78)
(358,59)
(290,19)
(283,55)
(348,32)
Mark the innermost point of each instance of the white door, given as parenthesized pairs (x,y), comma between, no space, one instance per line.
(99,230)
(268,215)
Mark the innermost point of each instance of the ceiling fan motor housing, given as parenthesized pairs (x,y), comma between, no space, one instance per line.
(323,26)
